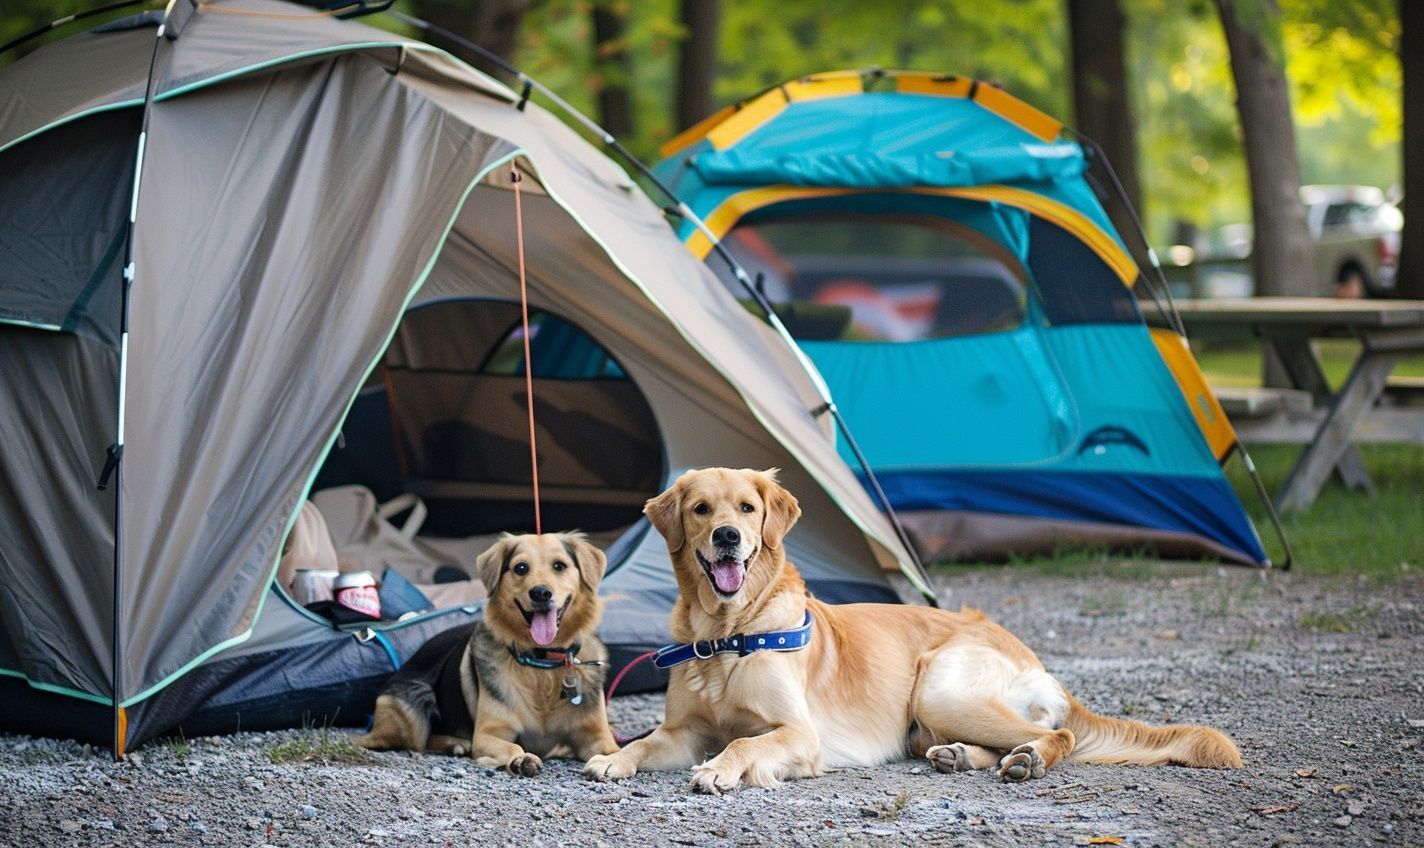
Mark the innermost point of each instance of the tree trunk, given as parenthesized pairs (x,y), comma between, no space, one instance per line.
(1101,105)
(492,24)
(613,66)
(1411,58)
(1282,253)
(697,61)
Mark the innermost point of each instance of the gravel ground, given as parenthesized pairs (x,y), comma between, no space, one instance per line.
(1318,680)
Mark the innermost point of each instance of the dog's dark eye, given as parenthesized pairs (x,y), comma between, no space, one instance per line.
(521,568)
(746,507)
(559,566)
(702,509)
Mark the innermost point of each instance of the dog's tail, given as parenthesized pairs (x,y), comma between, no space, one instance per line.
(403,716)
(1121,741)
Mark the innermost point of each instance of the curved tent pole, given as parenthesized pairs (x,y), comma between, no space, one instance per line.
(114,463)
(1169,311)
(67,19)
(682,210)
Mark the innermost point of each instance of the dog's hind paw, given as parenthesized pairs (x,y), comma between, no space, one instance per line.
(525,765)
(1020,764)
(949,758)
(605,767)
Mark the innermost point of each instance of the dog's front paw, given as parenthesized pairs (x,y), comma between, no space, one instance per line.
(1020,764)
(709,780)
(949,758)
(525,765)
(607,767)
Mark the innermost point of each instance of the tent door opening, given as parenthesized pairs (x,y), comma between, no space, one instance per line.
(444,417)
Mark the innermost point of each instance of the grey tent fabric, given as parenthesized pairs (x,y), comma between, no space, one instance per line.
(304,182)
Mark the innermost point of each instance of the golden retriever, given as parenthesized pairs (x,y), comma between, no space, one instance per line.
(524,683)
(875,682)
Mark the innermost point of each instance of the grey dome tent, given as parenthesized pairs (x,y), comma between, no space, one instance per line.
(297,185)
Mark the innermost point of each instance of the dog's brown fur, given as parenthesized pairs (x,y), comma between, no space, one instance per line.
(472,696)
(876,682)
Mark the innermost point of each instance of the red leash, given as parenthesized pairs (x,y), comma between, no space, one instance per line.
(518,178)
(612,687)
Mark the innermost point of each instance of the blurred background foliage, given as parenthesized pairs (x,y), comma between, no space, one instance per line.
(1341,59)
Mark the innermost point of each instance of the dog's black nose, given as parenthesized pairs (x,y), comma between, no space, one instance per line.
(726,537)
(541,594)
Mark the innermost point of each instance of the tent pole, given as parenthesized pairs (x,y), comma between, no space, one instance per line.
(682,209)
(1270,504)
(67,19)
(1172,315)
(114,463)
(1157,277)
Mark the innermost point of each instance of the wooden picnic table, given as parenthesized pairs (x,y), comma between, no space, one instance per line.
(1387,330)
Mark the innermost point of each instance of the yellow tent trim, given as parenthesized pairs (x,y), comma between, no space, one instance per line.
(725,216)
(729,125)
(935,85)
(696,132)
(753,115)
(1220,435)
(1105,246)
(1015,111)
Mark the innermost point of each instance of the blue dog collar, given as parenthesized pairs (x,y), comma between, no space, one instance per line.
(740,644)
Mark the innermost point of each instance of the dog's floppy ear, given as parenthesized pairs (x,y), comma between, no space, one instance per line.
(782,509)
(494,561)
(665,513)
(587,558)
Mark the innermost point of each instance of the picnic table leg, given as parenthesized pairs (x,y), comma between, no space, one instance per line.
(1355,399)
(1303,368)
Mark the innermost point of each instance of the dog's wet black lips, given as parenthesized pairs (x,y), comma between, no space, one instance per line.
(529,614)
(707,570)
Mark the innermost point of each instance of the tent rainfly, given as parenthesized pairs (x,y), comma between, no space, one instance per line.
(935,246)
(297,187)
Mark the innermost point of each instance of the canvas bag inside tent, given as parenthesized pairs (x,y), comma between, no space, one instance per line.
(302,185)
(936,247)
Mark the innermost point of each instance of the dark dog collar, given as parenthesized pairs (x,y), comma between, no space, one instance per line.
(740,644)
(554,657)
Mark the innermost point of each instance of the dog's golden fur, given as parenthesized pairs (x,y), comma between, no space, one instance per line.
(876,682)
(471,695)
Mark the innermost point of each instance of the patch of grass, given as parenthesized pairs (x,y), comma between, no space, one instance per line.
(1111,602)
(1346,532)
(1326,622)
(1247,646)
(1067,561)
(1343,532)
(324,745)
(1223,599)
(1239,364)
(176,747)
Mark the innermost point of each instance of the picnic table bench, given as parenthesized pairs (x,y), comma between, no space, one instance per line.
(1333,420)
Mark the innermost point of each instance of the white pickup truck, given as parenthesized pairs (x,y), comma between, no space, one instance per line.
(1356,232)
(1356,236)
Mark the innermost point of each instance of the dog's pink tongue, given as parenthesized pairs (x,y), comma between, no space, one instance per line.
(544,627)
(728,575)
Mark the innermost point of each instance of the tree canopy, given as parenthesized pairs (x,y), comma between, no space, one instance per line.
(1341,60)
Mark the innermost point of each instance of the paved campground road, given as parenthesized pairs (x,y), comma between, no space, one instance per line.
(1318,679)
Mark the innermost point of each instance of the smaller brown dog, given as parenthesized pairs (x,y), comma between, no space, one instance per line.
(525,683)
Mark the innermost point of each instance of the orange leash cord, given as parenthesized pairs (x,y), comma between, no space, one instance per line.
(517,178)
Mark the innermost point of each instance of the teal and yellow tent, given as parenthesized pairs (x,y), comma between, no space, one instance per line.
(936,248)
